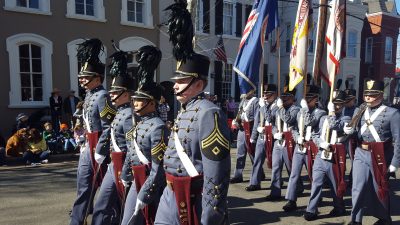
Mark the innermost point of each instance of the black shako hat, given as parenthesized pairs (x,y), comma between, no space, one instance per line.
(122,81)
(88,55)
(270,88)
(373,87)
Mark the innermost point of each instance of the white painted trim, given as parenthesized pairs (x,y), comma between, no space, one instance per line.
(47,50)
(73,64)
(233,2)
(147,15)
(44,7)
(99,11)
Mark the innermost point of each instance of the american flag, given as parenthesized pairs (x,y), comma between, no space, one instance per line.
(219,50)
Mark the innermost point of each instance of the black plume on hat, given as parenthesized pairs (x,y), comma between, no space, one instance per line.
(180,30)
(339,84)
(119,71)
(148,58)
(88,55)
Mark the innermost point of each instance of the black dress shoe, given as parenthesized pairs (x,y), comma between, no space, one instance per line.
(273,198)
(383,222)
(236,180)
(310,216)
(337,212)
(355,223)
(253,188)
(290,206)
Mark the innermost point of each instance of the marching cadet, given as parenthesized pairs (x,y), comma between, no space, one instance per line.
(330,161)
(308,121)
(245,121)
(149,136)
(197,160)
(107,209)
(285,124)
(350,104)
(262,135)
(377,155)
(97,115)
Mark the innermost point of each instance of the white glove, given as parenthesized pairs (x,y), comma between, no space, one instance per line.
(125,183)
(300,140)
(347,129)
(279,103)
(261,102)
(252,141)
(392,169)
(303,104)
(324,145)
(139,205)
(99,158)
(331,107)
(260,129)
(278,136)
(234,123)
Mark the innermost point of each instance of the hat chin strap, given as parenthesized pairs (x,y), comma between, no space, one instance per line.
(141,109)
(115,99)
(91,79)
(188,86)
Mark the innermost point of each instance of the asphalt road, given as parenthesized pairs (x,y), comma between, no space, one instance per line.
(44,195)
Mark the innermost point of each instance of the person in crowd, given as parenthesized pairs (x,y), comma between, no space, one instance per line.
(51,138)
(22,121)
(79,135)
(69,106)
(37,149)
(67,137)
(163,109)
(17,143)
(231,108)
(55,108)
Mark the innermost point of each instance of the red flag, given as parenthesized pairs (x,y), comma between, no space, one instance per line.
(219,50)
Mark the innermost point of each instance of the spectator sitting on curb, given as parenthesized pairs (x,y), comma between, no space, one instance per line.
(51,138)
(17,143)
(21,122)
(37,149)
(67,138)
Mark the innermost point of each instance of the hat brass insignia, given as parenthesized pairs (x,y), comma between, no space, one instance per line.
(370,84)
(285,89)
(178,64)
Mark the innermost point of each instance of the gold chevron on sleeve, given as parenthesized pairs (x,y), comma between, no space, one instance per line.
(215,136)
(108,110)
(129,134)
(159,148)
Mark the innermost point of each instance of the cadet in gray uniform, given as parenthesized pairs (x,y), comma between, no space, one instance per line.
(285,124)
(330,162)
(244,121)
(97,115)
(308,122)
(107,209)
(265,116)
(197,160)
(148,144)
(377,156)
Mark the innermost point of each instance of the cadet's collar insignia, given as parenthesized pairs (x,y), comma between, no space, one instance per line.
(124,106)
(149,116)
(215,147)
(370,84)
(96,89)
(178,65)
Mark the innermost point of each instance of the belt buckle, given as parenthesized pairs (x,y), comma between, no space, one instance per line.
(169,184)
(365,147)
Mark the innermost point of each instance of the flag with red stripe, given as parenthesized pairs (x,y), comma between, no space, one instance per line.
(219,50)
(335,40)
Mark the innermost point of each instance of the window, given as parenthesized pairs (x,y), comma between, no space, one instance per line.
(84,7)
(28,6)
(352,45)
(227,82)
(368,50)
(137,13)
(86,10)
(199,16)
(30,70)
(228,18)
(351,81)
(388,49)
(288,41)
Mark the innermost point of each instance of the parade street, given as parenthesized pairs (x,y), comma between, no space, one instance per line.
(44,195)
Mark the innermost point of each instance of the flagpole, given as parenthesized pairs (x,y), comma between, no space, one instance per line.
(278,42)
(319,45)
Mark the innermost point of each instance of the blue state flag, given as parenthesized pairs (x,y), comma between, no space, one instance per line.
(263,19)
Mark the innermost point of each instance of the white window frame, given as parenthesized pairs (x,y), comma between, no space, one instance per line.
(147,15)
(99,12)
(72,49)
(368,45)
(388,51)
(44,7)
(233,3)
(13,44)
(352,45)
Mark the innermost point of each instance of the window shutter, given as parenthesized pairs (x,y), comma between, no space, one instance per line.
(206,16)
(219,10)
(218,78)
(238,19)
(248,10)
